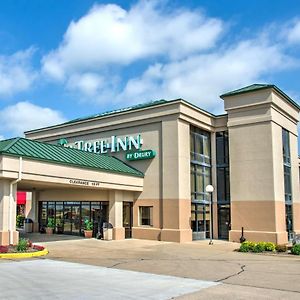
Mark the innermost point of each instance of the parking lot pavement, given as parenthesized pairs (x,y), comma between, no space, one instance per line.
(243,275)
(49,279)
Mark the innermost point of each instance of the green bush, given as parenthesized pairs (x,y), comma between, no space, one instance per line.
(20,220)
(22,245)
(259,247)
(51,223)
(88,225)
(270,246)
(247,246)
(281,248)
(296,249)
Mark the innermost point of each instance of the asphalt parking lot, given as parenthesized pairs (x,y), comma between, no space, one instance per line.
(239,275)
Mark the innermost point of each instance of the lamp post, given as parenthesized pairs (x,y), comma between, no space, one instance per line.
(209,189)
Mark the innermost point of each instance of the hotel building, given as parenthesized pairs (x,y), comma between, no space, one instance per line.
(144,169)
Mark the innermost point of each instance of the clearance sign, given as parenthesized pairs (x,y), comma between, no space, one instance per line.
(130,144)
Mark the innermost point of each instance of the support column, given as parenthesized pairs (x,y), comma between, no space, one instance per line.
(8,213)
(31,210)
(116,214)
(176,182)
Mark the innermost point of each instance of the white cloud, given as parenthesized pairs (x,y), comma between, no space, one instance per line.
(202,78)
(109,34)
(88,84)
(22,116)
(292,32)
(16,73)
(119,57)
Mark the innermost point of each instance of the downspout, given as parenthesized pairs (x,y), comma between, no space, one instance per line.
(11,202)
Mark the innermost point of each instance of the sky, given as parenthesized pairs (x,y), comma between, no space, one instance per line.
(64,59)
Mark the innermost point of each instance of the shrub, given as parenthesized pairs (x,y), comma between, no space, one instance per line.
(259,247)
(270,246)
(281,248)
(296,249)
(247,246)
(22,245)
(20,221)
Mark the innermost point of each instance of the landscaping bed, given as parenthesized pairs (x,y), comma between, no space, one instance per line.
(24,249)
(268,247)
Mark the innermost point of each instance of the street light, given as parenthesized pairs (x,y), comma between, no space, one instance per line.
(209,189)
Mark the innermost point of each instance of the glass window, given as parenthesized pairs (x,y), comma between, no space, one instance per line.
(223,183)
(85,213)
(43,215)
(59,214)
(51,210)
(146,215)
(222,148)
(286,146)
(287,181)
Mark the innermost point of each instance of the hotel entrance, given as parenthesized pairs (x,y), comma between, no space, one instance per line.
(69,217)
(200,221)
(127,219)
(223,221)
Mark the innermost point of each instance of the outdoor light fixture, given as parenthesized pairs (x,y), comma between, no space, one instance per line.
(209,189)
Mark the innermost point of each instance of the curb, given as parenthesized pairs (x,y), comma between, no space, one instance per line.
(24,255)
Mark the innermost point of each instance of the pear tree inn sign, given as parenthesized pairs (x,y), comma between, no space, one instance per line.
(132,144)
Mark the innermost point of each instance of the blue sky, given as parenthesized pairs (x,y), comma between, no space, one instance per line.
(63,59)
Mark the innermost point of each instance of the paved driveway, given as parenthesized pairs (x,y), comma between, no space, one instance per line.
(252,276)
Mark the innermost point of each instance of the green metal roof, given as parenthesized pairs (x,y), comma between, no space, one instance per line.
(67,156)
(257,87)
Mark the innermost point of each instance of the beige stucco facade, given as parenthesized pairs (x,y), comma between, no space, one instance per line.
(254,122)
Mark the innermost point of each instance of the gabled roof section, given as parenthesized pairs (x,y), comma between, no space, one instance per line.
(68,156)
(257,87)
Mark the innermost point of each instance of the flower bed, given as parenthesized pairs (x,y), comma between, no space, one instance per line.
(24,246)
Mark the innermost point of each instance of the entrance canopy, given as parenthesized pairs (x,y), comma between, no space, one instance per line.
(48,164)
(60,173)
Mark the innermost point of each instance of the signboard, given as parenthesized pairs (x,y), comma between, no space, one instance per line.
(110,145)
(140,155)
(84,182)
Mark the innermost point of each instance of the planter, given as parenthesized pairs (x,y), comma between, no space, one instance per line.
(88,233)
(49,230)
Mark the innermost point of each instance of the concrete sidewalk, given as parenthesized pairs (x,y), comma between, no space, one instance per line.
(48,279)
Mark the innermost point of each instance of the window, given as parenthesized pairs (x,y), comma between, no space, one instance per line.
(223,184)
(200,164)
(286,147)
(287,182)
(287,166)
(146,215)
(222,148)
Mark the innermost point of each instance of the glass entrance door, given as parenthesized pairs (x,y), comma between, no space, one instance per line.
(72,218)
(127,219)
(99,216)
(200,221)
(223,221)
